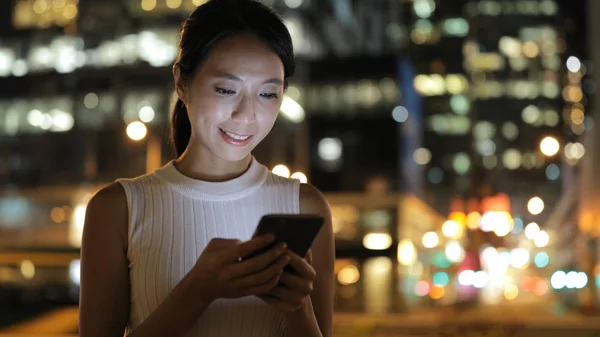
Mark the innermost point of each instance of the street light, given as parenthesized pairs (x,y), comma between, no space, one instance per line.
(282,171)
(535,205)
(137,131)
(549,146)
(300,176)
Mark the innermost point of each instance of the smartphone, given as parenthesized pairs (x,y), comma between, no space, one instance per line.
(297,231)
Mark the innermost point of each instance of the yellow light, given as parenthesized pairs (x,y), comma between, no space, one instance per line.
(459,217)
(27,269)
(377,241)
(300,176)
(549,146)
(530,49)
(407,253)
(148,5)
(173,4)
(70,11)
(511,292)
(473,220)
(199,2)
(535,205)
(136,131)
(577,116)
(58,4)
(281,170)
(348,275)
(40,6)
(451,229)
(58,214)
(430,240)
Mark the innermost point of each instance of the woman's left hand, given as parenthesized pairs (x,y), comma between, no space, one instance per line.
(293,288)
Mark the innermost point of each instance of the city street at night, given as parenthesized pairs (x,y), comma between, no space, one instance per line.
(505,321)
(426,168)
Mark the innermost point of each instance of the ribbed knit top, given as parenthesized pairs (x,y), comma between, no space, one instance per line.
(171,220)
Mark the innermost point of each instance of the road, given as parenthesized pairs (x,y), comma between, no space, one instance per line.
(500,321)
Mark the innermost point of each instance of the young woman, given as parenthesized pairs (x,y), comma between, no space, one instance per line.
(161,252)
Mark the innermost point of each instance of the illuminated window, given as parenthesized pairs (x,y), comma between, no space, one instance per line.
(142,106)
(455,27)
(44,13)
(36,116)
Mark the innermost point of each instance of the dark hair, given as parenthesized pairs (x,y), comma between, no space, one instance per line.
(211,23)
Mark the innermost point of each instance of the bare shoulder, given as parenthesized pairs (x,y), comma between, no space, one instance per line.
(313,201)
(107,214)
(108,201)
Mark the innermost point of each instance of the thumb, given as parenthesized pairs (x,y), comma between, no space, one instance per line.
(308,257)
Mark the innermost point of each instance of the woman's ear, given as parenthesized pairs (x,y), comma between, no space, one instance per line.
(179,83)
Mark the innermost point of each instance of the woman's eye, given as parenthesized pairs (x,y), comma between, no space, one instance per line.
(270,96)
(222,91)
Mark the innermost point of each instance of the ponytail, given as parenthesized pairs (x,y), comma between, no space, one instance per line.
(181,128)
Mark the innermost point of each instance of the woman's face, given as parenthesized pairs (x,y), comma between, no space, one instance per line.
(234,98)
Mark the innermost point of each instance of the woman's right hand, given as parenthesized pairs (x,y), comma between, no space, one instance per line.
(222,274)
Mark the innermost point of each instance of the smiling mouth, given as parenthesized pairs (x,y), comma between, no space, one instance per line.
(235,135)
(235,139)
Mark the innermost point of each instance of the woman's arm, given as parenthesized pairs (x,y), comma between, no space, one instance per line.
(317,313)
(104,301)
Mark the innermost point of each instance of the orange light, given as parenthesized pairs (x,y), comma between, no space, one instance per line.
(511,292)
(497,203)
(459,217)
(436,292)
(541,288)
(473,220)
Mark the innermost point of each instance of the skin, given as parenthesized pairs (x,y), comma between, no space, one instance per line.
(246,103)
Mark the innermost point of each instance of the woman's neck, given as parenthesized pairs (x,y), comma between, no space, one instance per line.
(202,165)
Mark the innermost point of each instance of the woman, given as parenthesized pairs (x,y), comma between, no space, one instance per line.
(160,253)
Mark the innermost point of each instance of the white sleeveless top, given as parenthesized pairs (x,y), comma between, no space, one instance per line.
(171,220)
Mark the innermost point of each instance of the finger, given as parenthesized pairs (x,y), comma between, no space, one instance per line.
(222,243)
(258,279)
(296,283)
(278,303)
(260,262)
(309,257)
(287,295)
(248,247)
(263,288)
(301,266)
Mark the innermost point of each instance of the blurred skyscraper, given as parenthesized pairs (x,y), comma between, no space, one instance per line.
(491,75)
(496,80)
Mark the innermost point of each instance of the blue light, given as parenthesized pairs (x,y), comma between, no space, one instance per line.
(441,260)
(441,279)
(518,228)
(598,280)
(541,259)
(552,172)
